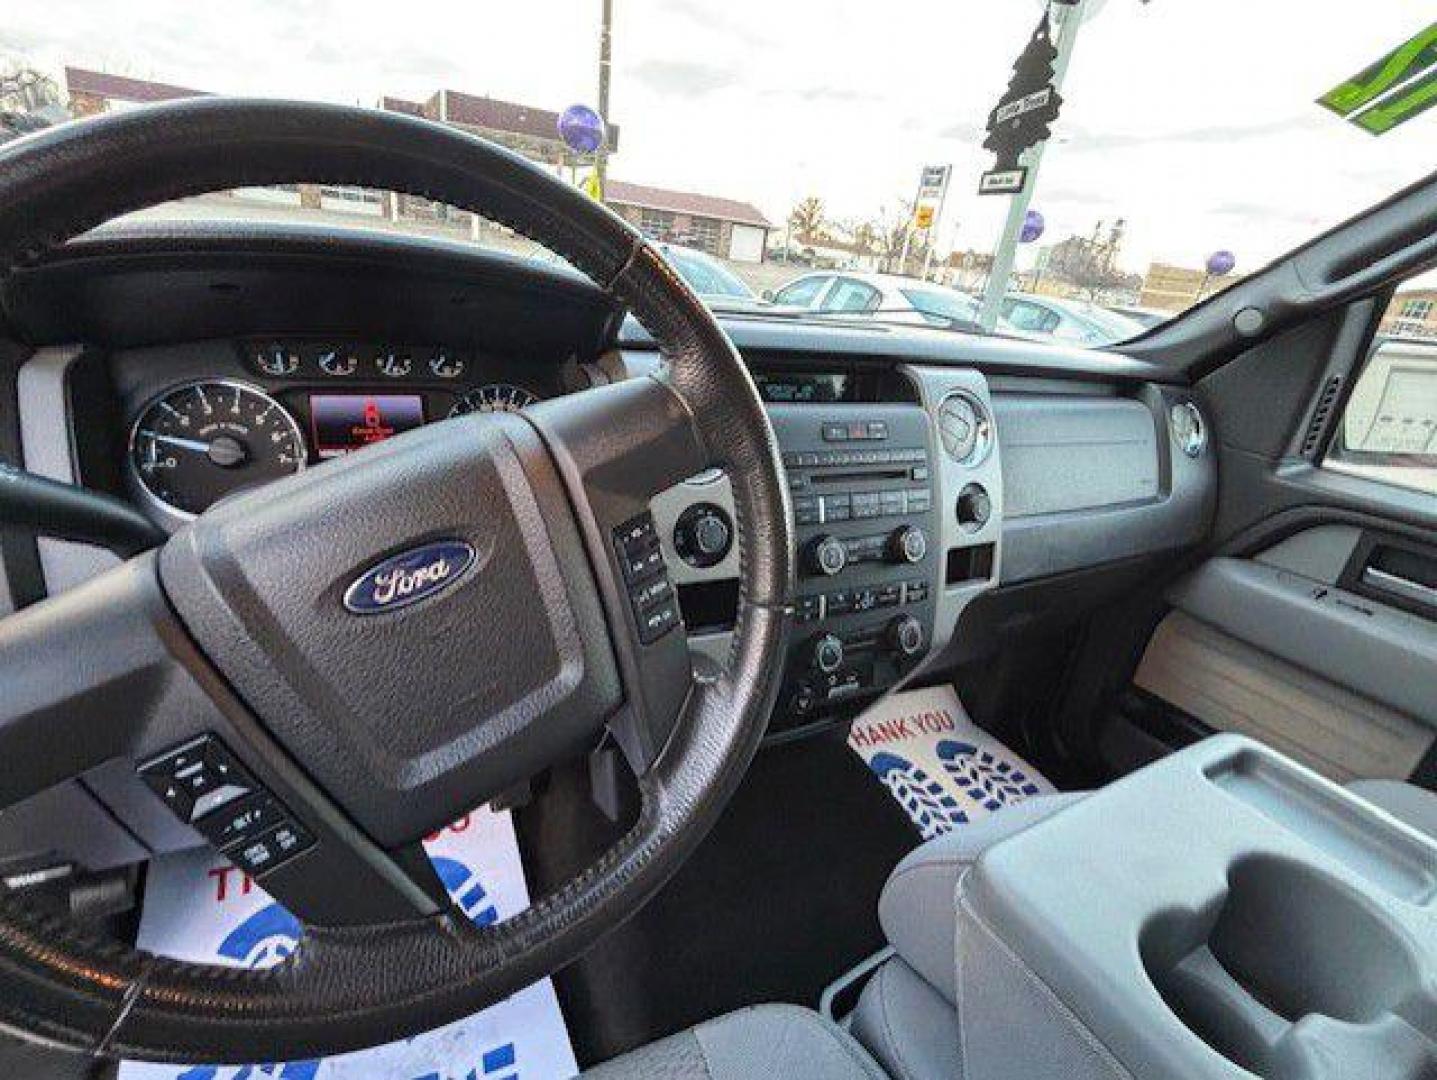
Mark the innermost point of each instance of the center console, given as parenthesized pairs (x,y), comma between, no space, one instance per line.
(1222,913)
(865,514)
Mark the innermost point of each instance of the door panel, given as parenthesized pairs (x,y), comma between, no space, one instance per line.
(1230,685)
(1314,626)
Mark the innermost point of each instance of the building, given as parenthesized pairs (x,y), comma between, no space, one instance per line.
(1177,288)
(525,129)
(723,227)
(1411,314)
(95,92)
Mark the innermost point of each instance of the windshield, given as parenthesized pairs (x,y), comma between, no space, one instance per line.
(942,305)
(706,276)
(1139,156)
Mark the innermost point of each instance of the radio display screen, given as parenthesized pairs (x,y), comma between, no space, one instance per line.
(342,423)
(801,387)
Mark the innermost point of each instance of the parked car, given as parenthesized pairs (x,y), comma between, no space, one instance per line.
(896,299)
(708,277)
(1048,318)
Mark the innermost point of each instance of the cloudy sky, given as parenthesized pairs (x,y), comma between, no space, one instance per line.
(1192,119)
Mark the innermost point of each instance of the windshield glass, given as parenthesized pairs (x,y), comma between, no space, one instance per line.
(707,277)
(1139,156)
(943,305)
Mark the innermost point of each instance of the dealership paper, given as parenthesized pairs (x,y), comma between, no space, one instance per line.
(942,768)
(198,907)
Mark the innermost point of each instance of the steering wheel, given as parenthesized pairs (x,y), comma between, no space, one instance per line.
(373,723)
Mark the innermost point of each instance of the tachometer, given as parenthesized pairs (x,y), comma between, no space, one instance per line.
(199,442)
(494,397)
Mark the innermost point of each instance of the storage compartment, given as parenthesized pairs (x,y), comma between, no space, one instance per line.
(1285,946)
(1220,910)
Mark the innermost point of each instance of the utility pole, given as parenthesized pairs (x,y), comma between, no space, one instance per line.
(1069,17)
(601,164)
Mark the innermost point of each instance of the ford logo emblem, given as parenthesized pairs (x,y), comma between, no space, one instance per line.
(409,577)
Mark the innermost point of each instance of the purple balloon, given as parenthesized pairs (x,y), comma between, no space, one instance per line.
(1220,263)
(581,128)
(1033,225)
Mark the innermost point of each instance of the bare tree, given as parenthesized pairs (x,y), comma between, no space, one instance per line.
(807,219)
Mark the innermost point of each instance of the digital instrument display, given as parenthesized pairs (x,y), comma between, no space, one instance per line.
(802,388)
(343,423)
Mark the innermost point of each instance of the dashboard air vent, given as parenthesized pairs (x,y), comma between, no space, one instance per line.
(966,428)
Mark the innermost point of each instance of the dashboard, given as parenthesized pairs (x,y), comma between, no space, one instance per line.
(947,490)
(929,472)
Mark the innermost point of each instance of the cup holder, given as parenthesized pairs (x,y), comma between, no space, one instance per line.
(1285,944)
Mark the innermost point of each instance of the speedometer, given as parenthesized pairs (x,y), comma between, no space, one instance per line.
(494,397)
(199,442)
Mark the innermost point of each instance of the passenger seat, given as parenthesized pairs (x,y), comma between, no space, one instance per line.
(906,1015)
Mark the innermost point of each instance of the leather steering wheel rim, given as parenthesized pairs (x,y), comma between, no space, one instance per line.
(357,986)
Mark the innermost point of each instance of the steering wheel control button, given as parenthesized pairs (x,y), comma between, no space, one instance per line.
(703,535)
(269,850)
(658,620)
(241,820)
(651,594)
(197,778)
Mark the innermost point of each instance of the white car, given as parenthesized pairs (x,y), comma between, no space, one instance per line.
(894,298)
(1048,318)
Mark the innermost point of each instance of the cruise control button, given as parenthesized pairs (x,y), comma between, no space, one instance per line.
(651,592)
(638,567)
(657,621)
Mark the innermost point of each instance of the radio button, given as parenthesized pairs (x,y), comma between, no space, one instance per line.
(827,654)
(907,545)
(827,555)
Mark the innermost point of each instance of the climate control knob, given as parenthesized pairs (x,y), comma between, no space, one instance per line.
(827,656)
(827,555)
(905,636)
(907,545)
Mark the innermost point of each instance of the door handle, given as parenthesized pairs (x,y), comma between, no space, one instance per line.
(1396,585)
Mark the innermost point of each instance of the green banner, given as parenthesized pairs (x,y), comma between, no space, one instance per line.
(1408,59)
(1414,98)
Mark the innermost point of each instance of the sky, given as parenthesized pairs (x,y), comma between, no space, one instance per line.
(1194,120)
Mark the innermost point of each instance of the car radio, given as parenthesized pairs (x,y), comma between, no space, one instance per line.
(862,488)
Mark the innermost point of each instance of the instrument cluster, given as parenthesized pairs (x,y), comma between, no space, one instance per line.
(299,403)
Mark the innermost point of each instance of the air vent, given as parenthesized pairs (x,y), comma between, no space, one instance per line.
(1321,414)
(966,428)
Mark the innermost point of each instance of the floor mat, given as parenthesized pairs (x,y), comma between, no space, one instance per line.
(198,907)
(941,767)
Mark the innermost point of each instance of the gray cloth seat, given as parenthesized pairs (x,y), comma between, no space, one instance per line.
(906,1015)
(765,1042)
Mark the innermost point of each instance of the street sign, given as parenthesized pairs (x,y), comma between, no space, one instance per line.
(1022,116)
(1393,89)
(1002,181)
(923,217)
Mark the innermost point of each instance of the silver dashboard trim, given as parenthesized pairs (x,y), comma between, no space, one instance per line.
(48,451)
